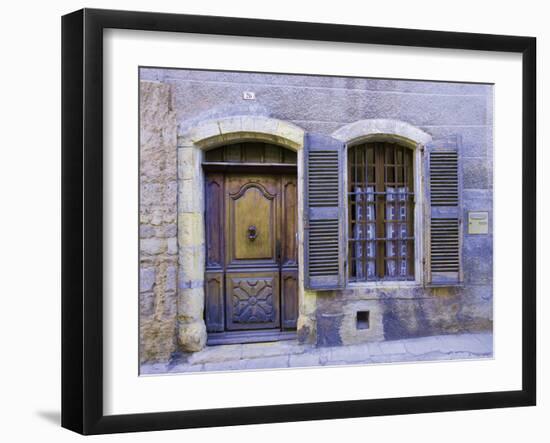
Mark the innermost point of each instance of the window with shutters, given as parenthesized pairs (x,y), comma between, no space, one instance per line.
(381,237)
(394,216)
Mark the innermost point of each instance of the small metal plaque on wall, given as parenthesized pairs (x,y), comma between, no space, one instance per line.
(478,222)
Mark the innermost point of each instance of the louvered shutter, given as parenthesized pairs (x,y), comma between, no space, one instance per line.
(444,189)
(323,229)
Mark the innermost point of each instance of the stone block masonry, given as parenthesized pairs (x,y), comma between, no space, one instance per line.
(158,223)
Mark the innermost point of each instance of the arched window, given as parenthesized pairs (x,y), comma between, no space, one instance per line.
(380,212)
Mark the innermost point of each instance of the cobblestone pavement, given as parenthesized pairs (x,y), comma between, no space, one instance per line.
(290,354)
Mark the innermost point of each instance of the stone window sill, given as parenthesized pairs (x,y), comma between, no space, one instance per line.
(384,285)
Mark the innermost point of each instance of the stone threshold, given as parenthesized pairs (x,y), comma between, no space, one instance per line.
(291,354)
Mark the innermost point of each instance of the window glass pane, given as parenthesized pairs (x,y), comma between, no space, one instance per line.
(400,174)
(389,149)
(390,174)
(370,154)
(400,156)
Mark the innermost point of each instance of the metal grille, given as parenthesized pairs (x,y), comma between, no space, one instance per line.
(380,212)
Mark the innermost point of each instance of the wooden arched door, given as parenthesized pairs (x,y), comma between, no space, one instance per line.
(251,260)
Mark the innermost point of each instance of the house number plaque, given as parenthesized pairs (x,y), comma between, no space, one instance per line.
(478,222)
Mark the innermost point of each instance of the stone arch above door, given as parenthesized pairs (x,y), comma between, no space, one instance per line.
(215,132)
(192,142)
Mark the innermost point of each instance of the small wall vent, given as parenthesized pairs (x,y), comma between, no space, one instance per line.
(363,319)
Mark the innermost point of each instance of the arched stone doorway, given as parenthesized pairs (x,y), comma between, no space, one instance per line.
(193,144)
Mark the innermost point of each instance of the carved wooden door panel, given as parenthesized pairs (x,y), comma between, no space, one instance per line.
(252,237)
(251,257)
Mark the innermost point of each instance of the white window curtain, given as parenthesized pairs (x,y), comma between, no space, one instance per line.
(396,231)
(365,229)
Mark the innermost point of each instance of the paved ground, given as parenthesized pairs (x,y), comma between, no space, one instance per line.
(289,354)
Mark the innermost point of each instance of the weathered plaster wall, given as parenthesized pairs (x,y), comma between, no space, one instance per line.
(325,104)
(157,224)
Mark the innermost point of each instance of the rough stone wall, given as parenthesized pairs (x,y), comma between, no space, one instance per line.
(158,222)
(324,104)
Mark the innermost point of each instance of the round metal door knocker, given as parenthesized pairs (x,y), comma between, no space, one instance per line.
(252,232)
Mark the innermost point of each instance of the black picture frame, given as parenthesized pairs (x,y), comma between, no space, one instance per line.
(82,218)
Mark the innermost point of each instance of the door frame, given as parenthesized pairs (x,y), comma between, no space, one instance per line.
(220,273)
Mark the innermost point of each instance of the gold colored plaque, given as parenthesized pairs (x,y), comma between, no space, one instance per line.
(478,222)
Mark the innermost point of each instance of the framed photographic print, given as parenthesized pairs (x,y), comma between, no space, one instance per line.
(269,221)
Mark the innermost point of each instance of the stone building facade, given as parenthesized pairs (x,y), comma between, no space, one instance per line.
(186,113)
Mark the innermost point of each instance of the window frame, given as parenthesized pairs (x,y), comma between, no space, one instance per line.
(420,208)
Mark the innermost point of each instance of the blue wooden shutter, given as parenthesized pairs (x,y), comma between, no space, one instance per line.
(323,213)
(444,197)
